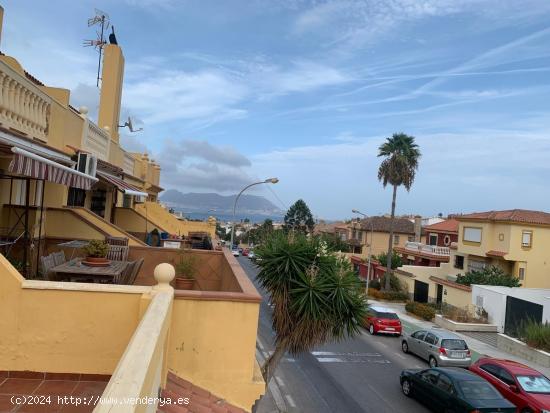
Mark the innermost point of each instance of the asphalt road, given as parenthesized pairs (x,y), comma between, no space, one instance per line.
(354,376)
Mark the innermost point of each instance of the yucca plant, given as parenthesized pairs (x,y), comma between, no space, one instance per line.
(316,295)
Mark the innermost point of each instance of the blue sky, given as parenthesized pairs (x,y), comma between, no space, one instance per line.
(234,91)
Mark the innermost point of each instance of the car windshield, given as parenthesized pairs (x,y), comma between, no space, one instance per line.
(392,316)
(478,390)
(454,344)
(534,384)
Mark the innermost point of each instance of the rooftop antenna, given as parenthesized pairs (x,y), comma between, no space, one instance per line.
(102,19)
(130,126)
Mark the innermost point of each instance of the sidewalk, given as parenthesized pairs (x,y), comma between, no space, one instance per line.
(482,349)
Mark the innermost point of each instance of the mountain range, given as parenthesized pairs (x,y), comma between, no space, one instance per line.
(222,204)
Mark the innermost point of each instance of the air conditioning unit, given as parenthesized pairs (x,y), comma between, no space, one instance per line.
(86,164)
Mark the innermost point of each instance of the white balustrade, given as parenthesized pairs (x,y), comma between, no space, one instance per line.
(96,141)
(23,106)
(428,249)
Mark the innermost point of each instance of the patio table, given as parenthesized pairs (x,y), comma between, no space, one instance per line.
(74,269)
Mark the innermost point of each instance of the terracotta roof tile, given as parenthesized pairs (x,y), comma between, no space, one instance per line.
(449,225)
(510,215)
(200,400)
(451,283)
(382,224)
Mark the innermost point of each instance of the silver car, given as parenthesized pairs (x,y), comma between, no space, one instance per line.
(438,347)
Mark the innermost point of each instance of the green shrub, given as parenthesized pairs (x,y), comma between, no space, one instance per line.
(423,311)
(537,335)
(396,260)
(488,276)
(374,284)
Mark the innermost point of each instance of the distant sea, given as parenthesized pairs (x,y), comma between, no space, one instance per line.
(254,218)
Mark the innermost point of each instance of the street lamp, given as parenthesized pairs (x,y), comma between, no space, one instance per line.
(267,181)
(354,211)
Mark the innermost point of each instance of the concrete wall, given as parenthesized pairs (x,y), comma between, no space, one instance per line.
(517,348)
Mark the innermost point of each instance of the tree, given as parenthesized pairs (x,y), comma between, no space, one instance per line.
(396,260)
(299,217)
(267,225)
(398,168)
(334,243)
(316,295)
(488,276)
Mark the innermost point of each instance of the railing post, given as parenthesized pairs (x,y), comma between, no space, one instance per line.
(164,274)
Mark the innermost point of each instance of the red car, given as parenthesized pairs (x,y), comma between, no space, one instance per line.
(382,320)
(245,252)
(527,388)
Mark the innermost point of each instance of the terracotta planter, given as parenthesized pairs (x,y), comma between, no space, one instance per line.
(184,283)
(97,259)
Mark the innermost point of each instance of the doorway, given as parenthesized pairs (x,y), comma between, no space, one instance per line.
(421,291)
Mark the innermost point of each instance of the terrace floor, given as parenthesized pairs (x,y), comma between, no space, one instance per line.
(50,392)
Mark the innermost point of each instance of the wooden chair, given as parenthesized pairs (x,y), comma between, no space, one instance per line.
(117,241)
(58,257)
(122,277)
(135,271)
(118,253)
(47,263)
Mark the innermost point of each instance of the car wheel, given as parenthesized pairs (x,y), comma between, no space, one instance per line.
(406,387)
(405,347)
(433,362)
(371,330)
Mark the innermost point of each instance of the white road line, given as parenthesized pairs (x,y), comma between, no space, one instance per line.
(280,381)
(260,344)
(290,400)
(355,354)
(400,355)
(273,387)
(330,360)
(381,397)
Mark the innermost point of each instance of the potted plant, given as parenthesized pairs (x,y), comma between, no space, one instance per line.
(185,269)
(96,252)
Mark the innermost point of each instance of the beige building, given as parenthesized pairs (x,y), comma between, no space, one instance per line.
(514,240)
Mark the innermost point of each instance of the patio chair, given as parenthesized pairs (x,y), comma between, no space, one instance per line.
(135,271)
(58,257)
(117,241)
(124,275)
(47,263)
(118,253)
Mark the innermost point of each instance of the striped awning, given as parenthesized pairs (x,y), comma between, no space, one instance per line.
(122,186)
(33,165)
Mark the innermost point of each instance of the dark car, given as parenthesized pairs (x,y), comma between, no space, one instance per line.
(453,389)
(527,388)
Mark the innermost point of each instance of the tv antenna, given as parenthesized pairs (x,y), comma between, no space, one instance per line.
(102,19)
(130,126)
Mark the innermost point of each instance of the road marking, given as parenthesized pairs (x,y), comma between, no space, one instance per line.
(330,360)
(273,387)
(280,381)
(381,397)
(260,344)
(399,355)
(290,400)
(332,353)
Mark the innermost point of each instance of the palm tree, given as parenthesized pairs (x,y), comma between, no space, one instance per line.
(316,295)
(399,167)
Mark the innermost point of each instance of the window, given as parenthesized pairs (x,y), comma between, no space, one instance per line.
(521,274)
(395,239)
(445,384)
(534,384)
(526,239)
(491,369)
(127,201)
(419,335)
(433,239)
(429,376)
(454,344)
(474,265)
(459,262)
(472,234)
(430,338)
(506,377)
(478,390)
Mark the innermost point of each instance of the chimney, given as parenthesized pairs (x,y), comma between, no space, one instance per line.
(417,228)
(111,89)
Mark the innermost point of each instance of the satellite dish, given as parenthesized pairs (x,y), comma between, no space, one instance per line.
(130,126)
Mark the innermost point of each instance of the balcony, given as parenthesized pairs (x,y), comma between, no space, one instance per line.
(23,105)
(96,141)
(427,249)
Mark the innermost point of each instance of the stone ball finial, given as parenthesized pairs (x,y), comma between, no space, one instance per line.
(83,110)
(164,273)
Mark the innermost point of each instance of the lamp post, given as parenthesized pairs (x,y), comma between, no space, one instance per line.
(267,181)
(354,211)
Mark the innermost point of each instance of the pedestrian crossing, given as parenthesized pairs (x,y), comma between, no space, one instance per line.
(349,357)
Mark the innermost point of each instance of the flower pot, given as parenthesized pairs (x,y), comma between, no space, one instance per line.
(97,259)
(184,283)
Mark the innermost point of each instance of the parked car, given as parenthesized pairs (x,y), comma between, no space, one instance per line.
(235,252)
(382,320)
(251,255)
(240,250)
(527,388)
(439,347)
(453,390)
(245,252)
